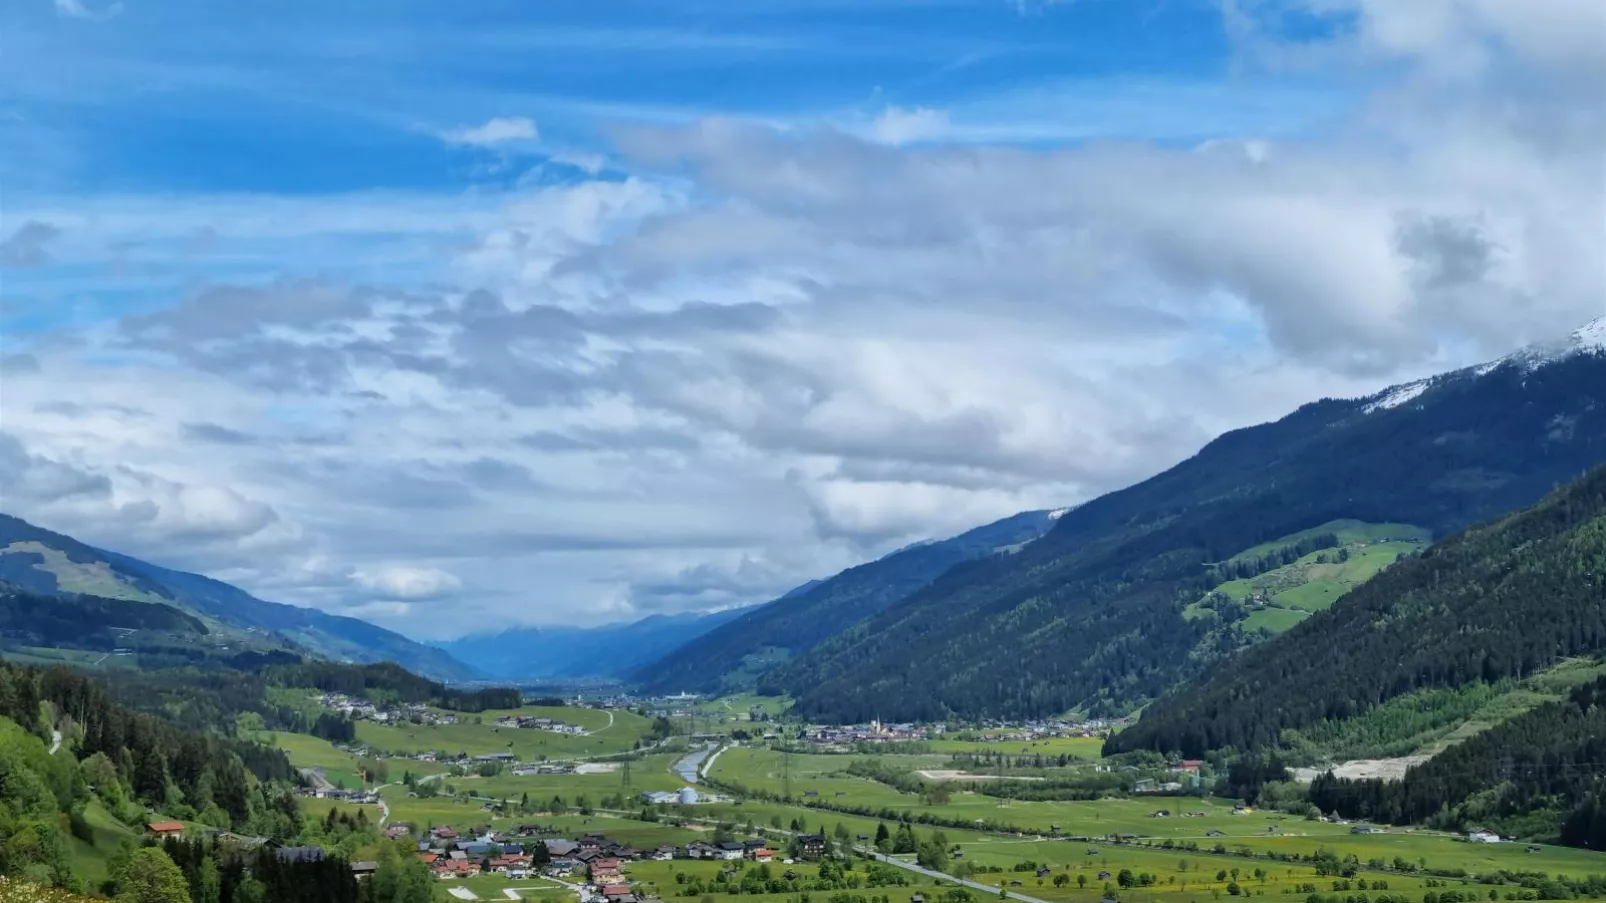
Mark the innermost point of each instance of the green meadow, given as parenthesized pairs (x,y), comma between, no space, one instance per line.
(611,733)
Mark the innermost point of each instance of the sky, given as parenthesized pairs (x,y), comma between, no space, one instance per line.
(457,316)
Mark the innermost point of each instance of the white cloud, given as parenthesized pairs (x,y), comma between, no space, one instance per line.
(76,9)
(400,582)
(499,130)
(896,125)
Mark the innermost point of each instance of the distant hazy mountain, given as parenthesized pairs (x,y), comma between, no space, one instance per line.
(40,561)
(536,653)
(1095,615)
(735,655)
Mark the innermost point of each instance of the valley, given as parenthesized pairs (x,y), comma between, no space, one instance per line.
(1130,846)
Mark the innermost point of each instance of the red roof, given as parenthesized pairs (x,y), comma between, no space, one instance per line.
(606,864)
(164,827)
(428,857)
(616,890)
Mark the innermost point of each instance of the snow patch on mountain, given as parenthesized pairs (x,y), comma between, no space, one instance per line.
(1396,396)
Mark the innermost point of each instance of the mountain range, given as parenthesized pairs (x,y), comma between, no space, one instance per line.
(1100,614)
(611,650)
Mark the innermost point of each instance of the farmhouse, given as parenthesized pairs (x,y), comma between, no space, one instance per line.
(162,830)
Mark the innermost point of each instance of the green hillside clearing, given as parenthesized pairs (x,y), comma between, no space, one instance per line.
(1282,597)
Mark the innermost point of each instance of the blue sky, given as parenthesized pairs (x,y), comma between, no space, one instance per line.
(581,312)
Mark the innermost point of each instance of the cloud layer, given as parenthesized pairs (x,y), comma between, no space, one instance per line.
(731,354)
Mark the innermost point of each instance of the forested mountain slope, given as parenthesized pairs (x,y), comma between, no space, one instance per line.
(41,561)
(1091,614)
(733,655)
(1501,600)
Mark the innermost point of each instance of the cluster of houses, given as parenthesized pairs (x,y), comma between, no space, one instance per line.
(359,709)
(524,722)
(592,864)
(874,732)
(335,794)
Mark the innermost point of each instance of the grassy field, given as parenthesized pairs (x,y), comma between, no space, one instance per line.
(89,859)
(1082,747)
(1102,818)
(611,732)
(1314,582)
(339,767)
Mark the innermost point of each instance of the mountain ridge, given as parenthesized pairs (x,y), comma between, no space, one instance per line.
(736,655)
(1087,617)
(334,636)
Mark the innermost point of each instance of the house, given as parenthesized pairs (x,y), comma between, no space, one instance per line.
(959,854)
(917,898)
(616,892)
(161,830)
(730,849)
(606,871)
(1161,813)
(300,854)
(560,848)
(811,846)
(443,833)
(1215,832)
(698,849)
(1481,836)
(754,844)
(664,853)
(364,868)
(428,858)
(1534,848)
(761,855)
(1363,829)
(561,866)
(1042,873)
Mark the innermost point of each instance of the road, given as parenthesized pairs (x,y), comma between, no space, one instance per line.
(55,741)
(974,885)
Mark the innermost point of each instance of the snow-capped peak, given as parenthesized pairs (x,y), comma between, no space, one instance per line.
(1591,336)
(1587,339)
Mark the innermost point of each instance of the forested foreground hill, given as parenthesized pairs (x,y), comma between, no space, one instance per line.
(1091,615)
(1502,600)
(734,655)
(1537,775)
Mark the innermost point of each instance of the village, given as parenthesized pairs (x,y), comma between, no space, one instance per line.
(592,865)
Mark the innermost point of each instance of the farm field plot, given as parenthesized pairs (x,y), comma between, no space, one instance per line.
(484,736)
(1090,748)
(647,773)
(741,704)
(1175,875)
(763,769)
